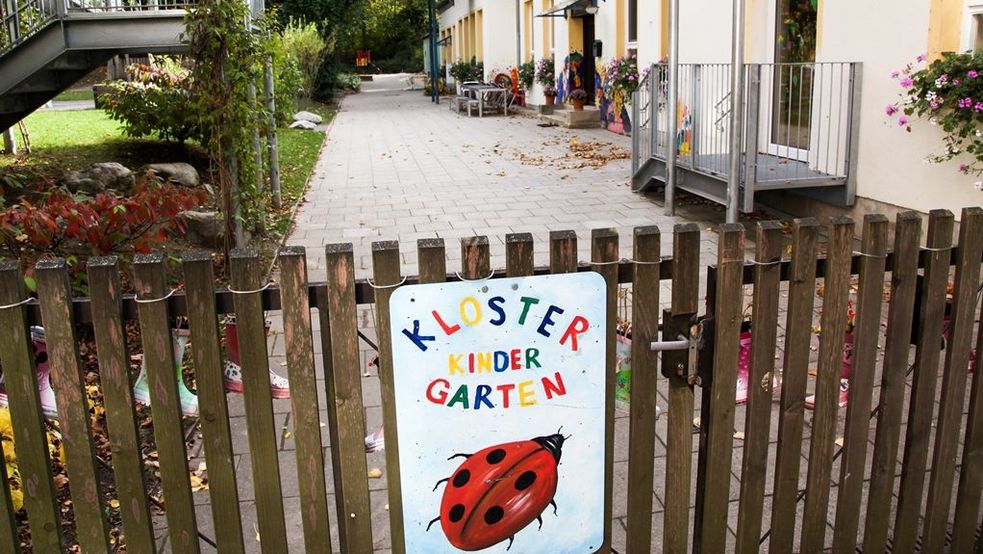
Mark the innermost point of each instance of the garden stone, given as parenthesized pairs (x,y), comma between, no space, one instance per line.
(205,229)
(175,173)
(303,124)
(101,177)
(307,116)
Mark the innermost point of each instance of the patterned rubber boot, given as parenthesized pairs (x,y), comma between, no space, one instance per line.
(43,370)
(376,441)
(279,385)
(845,371)
(189,401)
(744,367)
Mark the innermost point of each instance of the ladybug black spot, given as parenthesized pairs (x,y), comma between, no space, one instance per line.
(525,480)
(495,456)
(494,515)
(456,513)
(462,478)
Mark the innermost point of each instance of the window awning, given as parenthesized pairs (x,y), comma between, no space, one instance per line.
(564,7)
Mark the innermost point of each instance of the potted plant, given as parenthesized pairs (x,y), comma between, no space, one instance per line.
(578,97)
(546,76)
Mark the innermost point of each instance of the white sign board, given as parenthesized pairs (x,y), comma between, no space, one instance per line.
(500,403)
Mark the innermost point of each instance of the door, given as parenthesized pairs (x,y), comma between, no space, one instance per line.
(589,62)
(792,78)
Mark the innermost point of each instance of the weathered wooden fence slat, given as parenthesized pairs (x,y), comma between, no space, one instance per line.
(158,355)
(644,377)
(604,254)
(866,333)
(475,258)
(833,323)
(262,431)
(723,388)
(563,252)
(679,439)
(30,438)
(953,394)
(55,292)
(971,472)
(518,254)
(385,263)
(923,388)
(798,334)
(432,261)
(757,415)
(346,414)
(9,538)
(299,350)
(117,394)
(904,280)
(206,351)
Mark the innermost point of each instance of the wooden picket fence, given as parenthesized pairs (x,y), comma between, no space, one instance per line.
(917,273)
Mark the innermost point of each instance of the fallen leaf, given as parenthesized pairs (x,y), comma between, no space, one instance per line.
(375,473)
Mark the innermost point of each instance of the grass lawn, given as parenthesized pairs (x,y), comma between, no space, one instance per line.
(63,141)
(71,95)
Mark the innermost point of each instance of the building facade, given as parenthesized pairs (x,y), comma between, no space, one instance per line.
(822,69)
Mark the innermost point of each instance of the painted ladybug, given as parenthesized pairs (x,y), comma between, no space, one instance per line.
(498,491)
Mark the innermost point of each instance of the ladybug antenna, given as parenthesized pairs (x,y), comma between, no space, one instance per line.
(559,429)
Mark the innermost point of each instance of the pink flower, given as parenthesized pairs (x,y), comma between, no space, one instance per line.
(921,57)
(965,103)
(972,74)
(935,104)
(895,74)
(955,82)
(902,121)
(890,110)
(978,107)
(907,82)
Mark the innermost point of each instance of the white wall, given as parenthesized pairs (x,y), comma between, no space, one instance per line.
(498,36)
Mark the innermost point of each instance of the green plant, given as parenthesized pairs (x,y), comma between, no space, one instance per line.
(546,75)
(154,102)
(349,81)
(622,74)
(305,43)
(579,95)
(464,71)
(949,92)
(527,73)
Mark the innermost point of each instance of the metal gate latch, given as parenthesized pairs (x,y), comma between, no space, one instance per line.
(685,340)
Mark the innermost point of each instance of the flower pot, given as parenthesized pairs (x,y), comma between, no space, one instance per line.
(550,100)
(578,105)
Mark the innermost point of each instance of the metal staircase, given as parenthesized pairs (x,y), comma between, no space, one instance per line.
(47,45)
(800,130)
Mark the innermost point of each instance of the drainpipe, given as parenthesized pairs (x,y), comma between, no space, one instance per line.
(736,112)
(673,100)
(434,70)
(518,33)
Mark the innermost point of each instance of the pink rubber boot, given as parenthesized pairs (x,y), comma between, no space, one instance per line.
(279,386)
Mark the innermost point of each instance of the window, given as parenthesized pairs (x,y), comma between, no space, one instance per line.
(976,40)
(632,20)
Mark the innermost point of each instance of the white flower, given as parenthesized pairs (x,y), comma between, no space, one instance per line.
(933,121)
(979,134)
(978,185)
(931,95)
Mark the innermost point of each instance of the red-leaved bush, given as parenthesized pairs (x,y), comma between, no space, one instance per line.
(103,224)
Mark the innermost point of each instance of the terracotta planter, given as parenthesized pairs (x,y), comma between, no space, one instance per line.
(550,100)
(578,105)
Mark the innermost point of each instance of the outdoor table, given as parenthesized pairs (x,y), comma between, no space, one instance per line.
(490,94)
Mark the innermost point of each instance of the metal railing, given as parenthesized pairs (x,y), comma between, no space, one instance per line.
(799,123)
(112,6)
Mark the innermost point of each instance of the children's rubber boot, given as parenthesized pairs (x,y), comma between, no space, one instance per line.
(189,401)
(376,441)
(43,371)
(279,385)
(845,371)
(744,370)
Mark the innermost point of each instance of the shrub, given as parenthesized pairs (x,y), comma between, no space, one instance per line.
(349,81)
(579,95)
(622,73)
(288,79)
(468,71)
(103,224)
(949,92)
(305,43)
(527,74)
(155,101)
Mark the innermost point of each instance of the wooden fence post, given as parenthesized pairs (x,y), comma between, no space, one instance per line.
(904,280)
(299,348)
(518,254)
(644,378)
(475,258)
(563,252)
(199,281)
(431,260)
(723,386)
(55,293)
(117,391)
(836,280)
(344,384)
(604,255)
(262,432)
(922,404)
(385,263)
(679,442)
(761,376)
(867,332)
(960,336)
(798,334)
(30,437)
(158,355)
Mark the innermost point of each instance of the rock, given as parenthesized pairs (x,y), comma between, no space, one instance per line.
(101,177)
(176,173)
(307,116)
(206,229)
(303,124)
